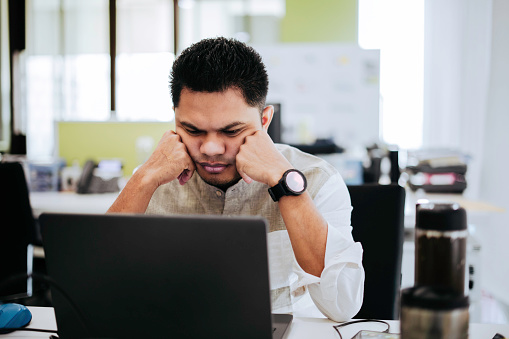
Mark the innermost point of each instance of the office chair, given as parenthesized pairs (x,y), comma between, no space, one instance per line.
(378,224)
(17,231)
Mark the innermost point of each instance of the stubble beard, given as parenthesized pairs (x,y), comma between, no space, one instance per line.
(215,179)
(223,184)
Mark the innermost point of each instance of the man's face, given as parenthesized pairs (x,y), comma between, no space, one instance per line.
(213,126)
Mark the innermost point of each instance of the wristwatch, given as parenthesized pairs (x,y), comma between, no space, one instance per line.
(293,182)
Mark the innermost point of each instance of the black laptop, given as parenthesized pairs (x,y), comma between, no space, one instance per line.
(141,276)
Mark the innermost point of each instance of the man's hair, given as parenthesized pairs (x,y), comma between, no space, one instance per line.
(218,64)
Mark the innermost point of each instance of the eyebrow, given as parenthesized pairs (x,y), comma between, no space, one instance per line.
(225,128)
(233,125)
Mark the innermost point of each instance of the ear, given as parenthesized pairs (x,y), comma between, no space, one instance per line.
(267,114)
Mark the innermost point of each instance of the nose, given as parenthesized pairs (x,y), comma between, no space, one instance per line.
(213,145)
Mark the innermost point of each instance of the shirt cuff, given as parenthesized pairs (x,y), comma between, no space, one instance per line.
(338,292)
(340,249)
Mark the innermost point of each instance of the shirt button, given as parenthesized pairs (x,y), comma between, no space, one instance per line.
(219,194)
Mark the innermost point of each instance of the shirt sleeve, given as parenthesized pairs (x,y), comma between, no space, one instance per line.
(339,291)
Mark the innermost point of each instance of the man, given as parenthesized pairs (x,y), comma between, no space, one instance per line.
(220,160)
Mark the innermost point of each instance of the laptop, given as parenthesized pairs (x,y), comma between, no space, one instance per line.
(146,276)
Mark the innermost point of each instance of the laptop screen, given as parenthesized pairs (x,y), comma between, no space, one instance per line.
(139,276)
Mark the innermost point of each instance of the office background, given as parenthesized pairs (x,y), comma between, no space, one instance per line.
(63,101)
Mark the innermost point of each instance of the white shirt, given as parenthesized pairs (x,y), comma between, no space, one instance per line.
(338,293)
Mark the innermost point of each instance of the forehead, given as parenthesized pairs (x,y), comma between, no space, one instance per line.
(214,108)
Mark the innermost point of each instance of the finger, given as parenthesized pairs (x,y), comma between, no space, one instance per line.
(187,173)
(169,133)
(247,137)
(179,138)
(185,176)
(246,178)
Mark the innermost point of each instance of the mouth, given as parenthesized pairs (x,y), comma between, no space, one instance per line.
(213,168)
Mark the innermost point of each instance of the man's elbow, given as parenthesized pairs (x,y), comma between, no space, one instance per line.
(341,310)
(347,300)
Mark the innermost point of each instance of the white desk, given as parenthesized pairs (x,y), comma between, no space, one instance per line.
(301,328)
(70,202)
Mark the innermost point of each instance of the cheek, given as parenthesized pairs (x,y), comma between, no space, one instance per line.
(192,144)
(233,146)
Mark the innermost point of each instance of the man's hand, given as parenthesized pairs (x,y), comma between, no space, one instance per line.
(258,159)
(169,161)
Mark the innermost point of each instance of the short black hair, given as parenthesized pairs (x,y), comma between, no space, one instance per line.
(218,64)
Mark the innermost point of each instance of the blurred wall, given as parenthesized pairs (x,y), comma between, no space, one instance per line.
(320,21)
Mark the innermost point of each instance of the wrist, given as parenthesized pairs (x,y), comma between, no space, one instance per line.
(277,173)
(276,176)
(293,182)
(144,180)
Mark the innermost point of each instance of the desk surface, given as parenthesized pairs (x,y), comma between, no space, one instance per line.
(301,328)
(70,202)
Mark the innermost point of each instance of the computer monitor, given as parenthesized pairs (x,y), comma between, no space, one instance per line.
(275,126)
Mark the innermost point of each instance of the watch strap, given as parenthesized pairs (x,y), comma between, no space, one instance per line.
(277,191)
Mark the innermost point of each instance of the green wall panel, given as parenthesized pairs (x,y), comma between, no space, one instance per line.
(320,21)
(105,140)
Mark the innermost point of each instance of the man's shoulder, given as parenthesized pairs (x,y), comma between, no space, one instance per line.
(306,162)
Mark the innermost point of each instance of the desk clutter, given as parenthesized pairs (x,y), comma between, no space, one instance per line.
(437,170)
(361,165)
(54,175)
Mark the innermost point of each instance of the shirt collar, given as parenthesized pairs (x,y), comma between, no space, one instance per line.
(240,186)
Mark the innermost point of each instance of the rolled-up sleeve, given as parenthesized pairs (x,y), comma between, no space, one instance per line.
(338,292)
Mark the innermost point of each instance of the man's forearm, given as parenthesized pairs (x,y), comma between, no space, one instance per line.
(135,196)
(307,230)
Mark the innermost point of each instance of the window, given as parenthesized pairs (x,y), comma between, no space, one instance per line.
(144,59)
(396,27)
(68,66)
(68,61)
(253,21)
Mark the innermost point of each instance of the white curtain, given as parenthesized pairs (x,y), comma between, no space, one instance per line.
(467,107)
(457,45)
(494,183)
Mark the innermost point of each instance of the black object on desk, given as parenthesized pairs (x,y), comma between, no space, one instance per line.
(437,170)
(90,183)
(440,245)
(142,276)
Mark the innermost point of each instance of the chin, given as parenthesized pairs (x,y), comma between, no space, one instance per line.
(220,181)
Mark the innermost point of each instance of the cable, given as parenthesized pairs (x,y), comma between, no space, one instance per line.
(81,317)
(26,329)
(336,327)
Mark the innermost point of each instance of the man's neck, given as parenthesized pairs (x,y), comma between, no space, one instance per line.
(223,187)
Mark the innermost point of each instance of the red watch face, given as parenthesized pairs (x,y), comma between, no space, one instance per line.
(295,182)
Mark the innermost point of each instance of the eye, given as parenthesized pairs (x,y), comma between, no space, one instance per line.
(193,132)
(232,132)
